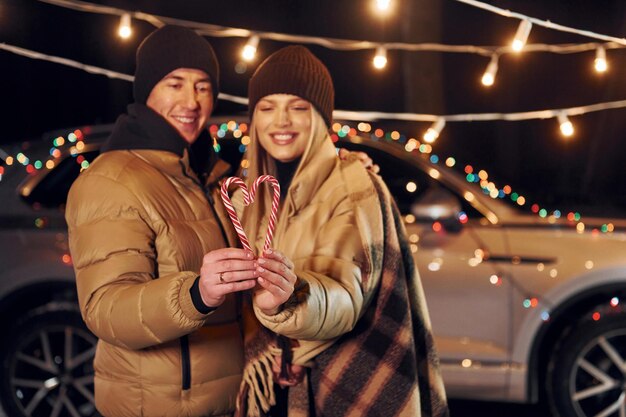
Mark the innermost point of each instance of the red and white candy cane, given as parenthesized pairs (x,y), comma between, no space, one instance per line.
(231,210)
(248,198)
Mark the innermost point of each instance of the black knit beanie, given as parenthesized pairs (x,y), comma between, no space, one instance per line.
(294,70)
(167,49)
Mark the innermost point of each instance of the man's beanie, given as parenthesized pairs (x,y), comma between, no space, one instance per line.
(170,48)
(294,70)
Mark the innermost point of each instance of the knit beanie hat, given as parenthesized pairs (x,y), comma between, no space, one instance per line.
(167,49)
(294,70)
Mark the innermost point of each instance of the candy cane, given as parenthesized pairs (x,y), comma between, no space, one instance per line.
(274,210)
(248,198)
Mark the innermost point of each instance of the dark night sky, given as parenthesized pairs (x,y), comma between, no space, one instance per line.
(40,96)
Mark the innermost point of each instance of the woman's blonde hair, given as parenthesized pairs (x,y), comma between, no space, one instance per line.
(260,163)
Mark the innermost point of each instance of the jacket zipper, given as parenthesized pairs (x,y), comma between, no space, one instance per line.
(209,197)
(185,362)
(184,340)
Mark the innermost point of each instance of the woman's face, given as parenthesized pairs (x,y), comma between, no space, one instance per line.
(283,124)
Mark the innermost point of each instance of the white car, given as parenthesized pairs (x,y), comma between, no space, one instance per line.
(524,307)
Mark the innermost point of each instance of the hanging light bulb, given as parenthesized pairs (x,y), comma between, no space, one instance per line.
(600,62)
(521,36)
(124,30)
(567,128)
(383,5)
(380,59)
(433,132)
(249,51)
(490,73)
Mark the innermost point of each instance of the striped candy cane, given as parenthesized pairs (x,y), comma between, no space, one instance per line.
(231,210)
(248,198)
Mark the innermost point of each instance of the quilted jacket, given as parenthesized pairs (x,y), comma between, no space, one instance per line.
(139,224)
(317,229)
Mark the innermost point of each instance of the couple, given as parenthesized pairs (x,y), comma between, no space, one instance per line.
(190,325)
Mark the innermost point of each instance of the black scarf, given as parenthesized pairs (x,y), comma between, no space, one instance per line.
(285,172)
(143,128)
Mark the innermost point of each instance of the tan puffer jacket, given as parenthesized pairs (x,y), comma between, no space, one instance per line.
(139,225)
(318,229)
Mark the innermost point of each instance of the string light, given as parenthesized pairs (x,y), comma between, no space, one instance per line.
(67,62)
(521,36)
(124,30)
(600,62)
(364,116)
(380,59)
(433,132)
(352,45)
(249,50)
(240,129)
(383,5)
(544,23)
(567,128)
(490,73)
(523,29)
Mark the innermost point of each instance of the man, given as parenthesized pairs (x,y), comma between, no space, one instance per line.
(155,280)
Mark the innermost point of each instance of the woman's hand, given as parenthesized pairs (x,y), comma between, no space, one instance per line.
(276,281)
(225,271)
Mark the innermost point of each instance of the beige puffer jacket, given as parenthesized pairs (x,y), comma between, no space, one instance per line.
(139,225)
(318,229)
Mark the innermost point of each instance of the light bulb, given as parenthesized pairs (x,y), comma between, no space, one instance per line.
(124,30)
(521,36)
(249,51)
(380,59)
(567,128)
(433,132)
(490,73)
(600,62)
(383,5)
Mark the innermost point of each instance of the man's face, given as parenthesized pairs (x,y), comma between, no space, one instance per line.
(184,97)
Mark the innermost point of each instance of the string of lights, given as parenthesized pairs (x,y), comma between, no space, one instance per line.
(380,58)
(64,61)
(545,23)
(438,121)
(254,37)
(73,142)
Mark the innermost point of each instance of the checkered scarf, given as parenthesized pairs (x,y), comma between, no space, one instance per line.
(387,366)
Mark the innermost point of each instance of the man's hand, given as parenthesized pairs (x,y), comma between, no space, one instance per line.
(225,271)
(364,158)
(276,281)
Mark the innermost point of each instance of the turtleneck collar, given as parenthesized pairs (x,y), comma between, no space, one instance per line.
(285,172)
(143,128)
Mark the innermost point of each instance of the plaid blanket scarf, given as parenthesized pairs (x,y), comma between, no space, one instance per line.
(387,366)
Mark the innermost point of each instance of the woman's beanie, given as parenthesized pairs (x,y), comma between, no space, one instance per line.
(294,70)
(167,49)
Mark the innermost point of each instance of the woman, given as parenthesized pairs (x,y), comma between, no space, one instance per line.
(357,320)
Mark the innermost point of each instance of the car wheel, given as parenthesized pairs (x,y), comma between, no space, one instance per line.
(48,365)
(587,374)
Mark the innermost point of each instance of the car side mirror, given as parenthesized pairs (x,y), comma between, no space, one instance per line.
(438,204)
